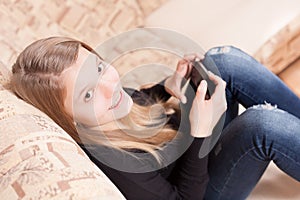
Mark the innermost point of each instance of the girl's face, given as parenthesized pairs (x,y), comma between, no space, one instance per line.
(94,95)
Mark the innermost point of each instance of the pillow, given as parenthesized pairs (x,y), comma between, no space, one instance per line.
(40,161)
(11,105)
(4,76)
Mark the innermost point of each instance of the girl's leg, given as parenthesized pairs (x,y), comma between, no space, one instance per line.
(249,82)
(246,147)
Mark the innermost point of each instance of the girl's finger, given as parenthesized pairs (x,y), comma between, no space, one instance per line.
(183,98)
(189,57)
(189,70)
(182,68)
(193,56)
(201,90)
(200,56)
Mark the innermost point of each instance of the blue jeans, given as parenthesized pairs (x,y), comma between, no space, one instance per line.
(261,134)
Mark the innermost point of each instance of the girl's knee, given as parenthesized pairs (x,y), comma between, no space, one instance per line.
(260,128)
(229,60)
(266,119)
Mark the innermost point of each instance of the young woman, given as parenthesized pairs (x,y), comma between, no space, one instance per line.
(70,82)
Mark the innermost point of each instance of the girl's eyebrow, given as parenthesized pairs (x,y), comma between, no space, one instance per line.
(98,60)
(97,55)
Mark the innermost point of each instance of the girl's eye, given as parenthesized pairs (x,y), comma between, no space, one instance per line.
(89,95)
(100,67)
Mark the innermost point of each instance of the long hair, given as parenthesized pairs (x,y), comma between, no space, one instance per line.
(36,79)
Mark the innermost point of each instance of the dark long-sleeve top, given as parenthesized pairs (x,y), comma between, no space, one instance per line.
(185,178)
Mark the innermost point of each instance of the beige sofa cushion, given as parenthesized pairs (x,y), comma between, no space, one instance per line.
(38,160)
(4,75)
(11,105)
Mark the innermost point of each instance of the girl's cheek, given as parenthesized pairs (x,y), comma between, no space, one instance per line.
(100,103)
(99,112)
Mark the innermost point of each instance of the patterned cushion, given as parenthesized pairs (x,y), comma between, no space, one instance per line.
(4,75)
(11,105)
(38,160)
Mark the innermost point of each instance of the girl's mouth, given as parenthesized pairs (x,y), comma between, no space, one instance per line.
(117,101)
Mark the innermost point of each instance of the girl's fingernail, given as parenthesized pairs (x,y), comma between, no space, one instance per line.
(203,85)
(183,99)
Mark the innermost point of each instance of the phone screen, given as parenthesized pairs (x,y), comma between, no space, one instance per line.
(199,73)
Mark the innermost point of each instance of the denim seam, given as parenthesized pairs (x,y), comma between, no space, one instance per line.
(234,166)
(229,176)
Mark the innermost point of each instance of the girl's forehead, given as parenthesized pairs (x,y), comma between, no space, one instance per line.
(84,56)
(84,59)
(82,72)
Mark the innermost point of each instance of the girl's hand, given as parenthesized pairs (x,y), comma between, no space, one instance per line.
(205,114)
(183,71)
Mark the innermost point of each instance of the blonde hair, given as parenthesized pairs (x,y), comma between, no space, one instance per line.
(36,79)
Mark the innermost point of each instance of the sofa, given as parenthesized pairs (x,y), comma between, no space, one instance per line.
(38,160)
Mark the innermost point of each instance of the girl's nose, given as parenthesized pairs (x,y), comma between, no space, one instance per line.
(106,88)
(108,82)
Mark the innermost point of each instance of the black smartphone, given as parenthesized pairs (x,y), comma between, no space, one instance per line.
(199,73)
